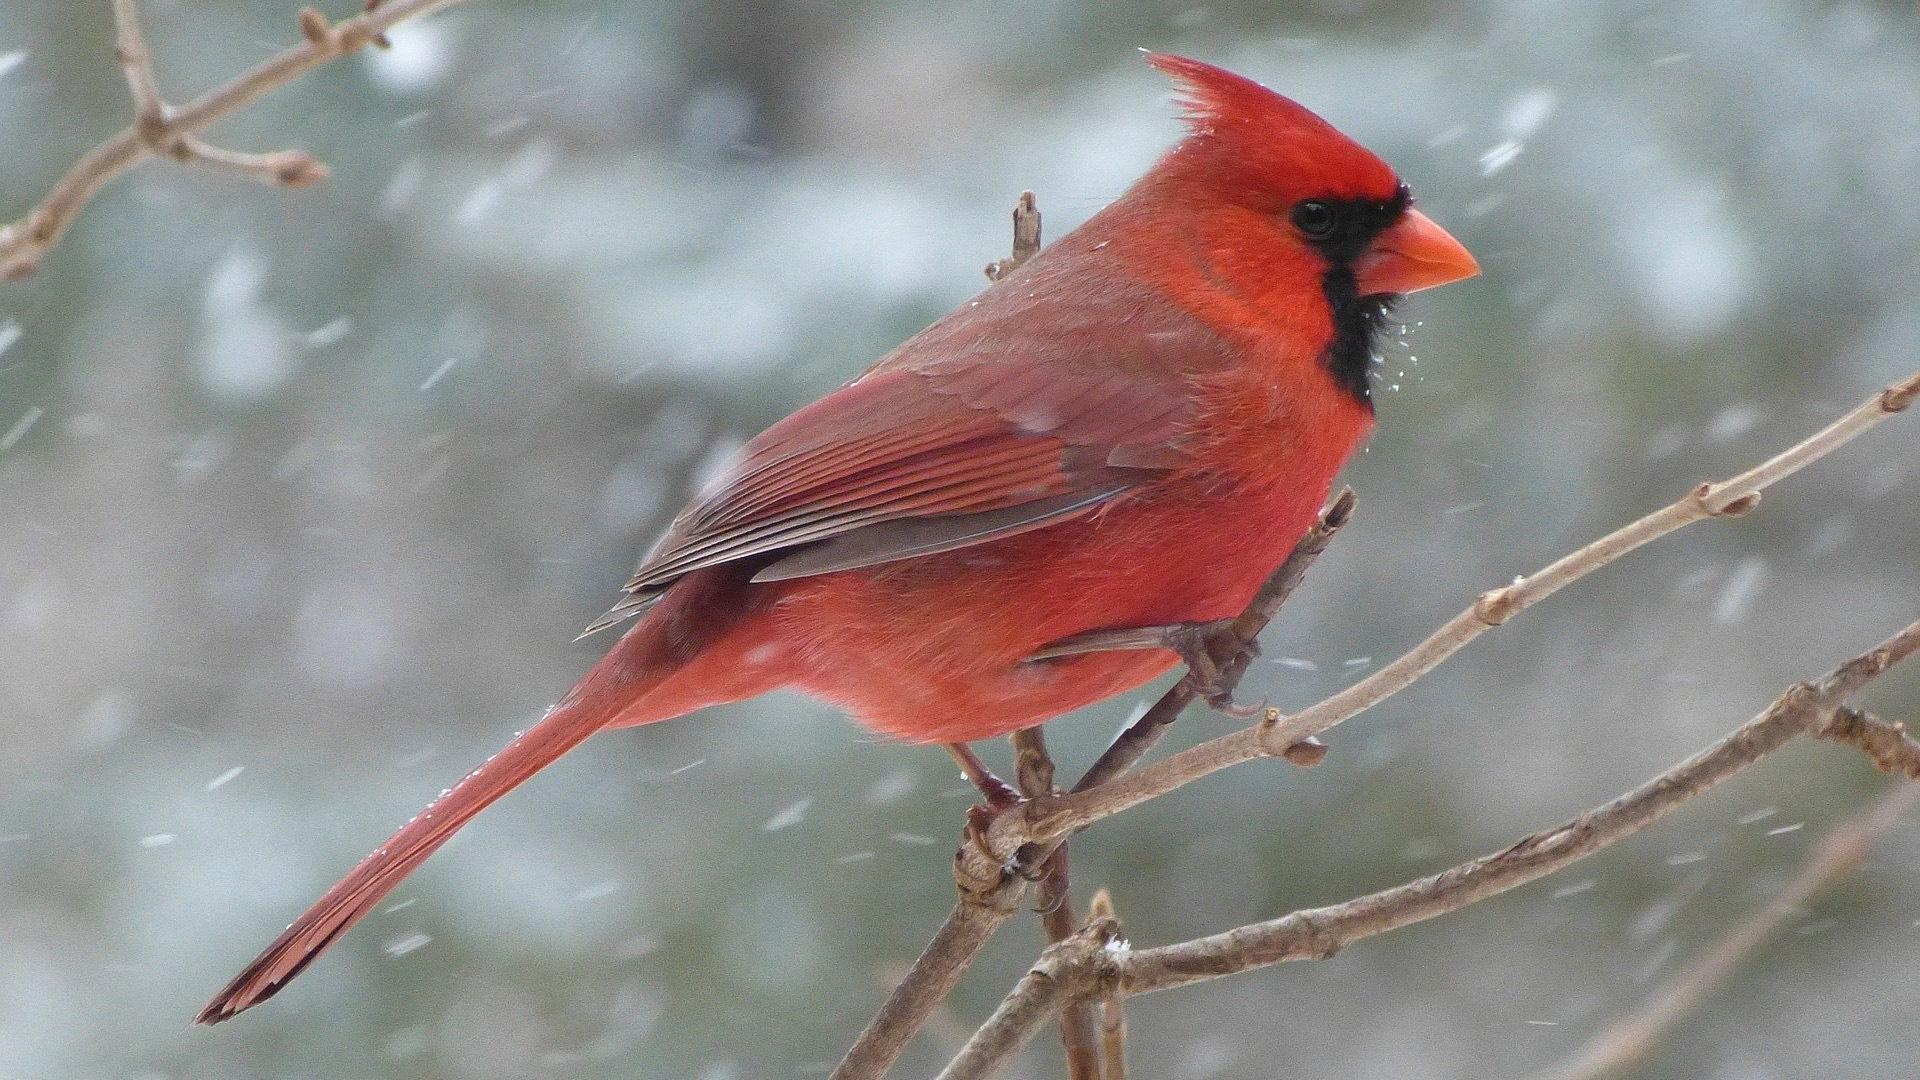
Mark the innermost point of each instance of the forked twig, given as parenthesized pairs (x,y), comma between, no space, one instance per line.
(291,168)
(158,130)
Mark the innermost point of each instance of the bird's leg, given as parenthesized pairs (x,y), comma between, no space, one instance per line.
(999,794)
(1196,643)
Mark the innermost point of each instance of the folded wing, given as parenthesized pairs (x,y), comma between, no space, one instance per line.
(962,437)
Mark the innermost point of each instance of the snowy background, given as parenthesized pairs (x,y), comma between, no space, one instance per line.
(304,494)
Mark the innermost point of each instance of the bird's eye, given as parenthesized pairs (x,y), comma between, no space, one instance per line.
(1316,219)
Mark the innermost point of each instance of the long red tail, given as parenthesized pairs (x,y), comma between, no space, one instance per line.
(639,663)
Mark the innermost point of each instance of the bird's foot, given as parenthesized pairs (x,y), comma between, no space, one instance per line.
(1198,644)
(976,836)
(1000,797)
(998,793)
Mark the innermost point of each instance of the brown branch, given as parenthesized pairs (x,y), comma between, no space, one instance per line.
(1113,1007)
(1033,767)
(1026,238)
(170,132)
(130,44)
(1082,965)
(1889,746)
(1042,820)
(291,168)
(974,919)
(1088,964)
(1628,1040)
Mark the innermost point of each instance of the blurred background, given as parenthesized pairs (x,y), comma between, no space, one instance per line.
(303,496)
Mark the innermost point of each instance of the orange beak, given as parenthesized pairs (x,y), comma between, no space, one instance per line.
(1414,254)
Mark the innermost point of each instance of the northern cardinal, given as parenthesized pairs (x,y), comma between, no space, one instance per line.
(1132,429)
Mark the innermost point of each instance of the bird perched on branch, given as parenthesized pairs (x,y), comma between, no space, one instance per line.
(1131,429)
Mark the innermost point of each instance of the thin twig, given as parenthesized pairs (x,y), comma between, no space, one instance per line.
(1033,766)
(1088,966)
(1629,1039)
(1026,238)
(974,919)
(1044,819)
(136,62)
(286,168)
(290,168)
(1888,745)
(1113,1007)
(159,130)
(380,41)
(1082,965)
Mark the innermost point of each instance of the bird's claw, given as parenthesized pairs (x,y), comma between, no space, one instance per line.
(980,820)
(1053,904)
(1024,865)
(1224,703)
(1195,643)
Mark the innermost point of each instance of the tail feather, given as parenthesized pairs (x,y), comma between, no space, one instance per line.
(615,684)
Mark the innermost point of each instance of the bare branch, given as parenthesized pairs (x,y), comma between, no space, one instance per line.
(286,168)
(974,919)
(1033,765)
(1041,823)
(1113,1007)
(1086,966)
(1627,1041)
(159,130)
(136,62)
(1888,745)
(1081,965)
(1046,819)
(1026,238)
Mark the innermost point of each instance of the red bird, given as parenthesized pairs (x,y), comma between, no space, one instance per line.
(1132,429)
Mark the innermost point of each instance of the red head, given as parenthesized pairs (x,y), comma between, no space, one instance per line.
(1263,152)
